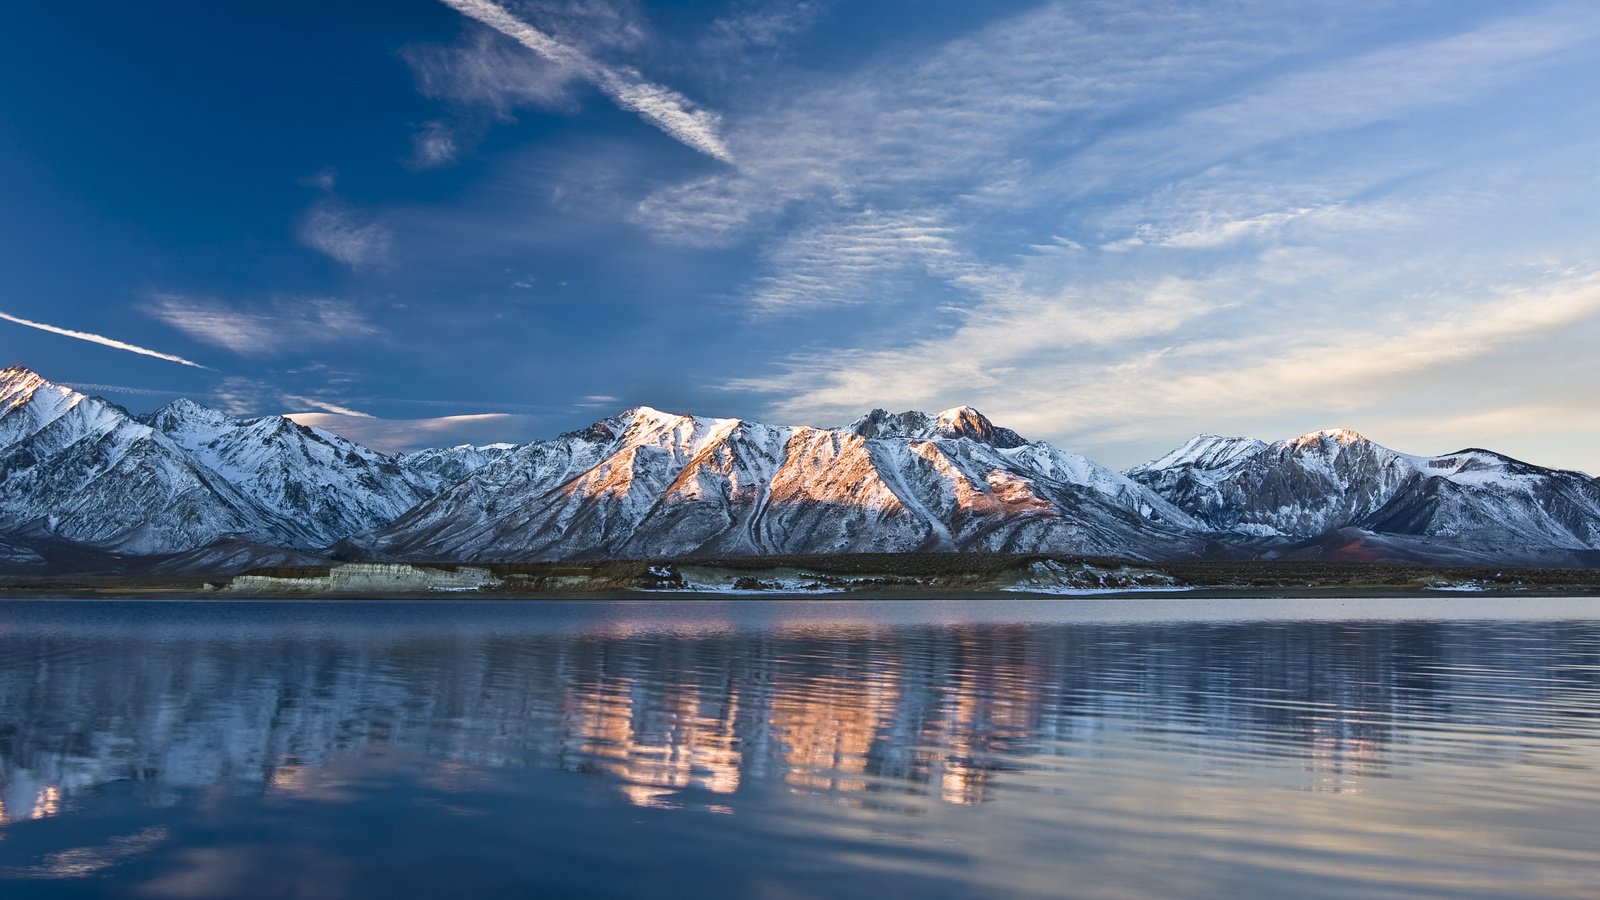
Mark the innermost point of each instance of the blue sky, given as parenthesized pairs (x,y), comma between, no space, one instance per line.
(1111,225)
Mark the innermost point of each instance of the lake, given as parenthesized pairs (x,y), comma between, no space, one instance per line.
(1442,746)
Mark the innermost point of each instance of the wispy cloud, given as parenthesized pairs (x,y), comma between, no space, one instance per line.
(1005,346)
(957,122)
(456,404)
(240,395)
(1381,86)
(597,401)
(759,25)
(661,106)
(1294,219)
(402,435)
(434,145)
(1141,372)
(324,405)
(324,180)
(282,325)
(842,263)
(484,71)
(332,228)
(101,340)
(1212,231)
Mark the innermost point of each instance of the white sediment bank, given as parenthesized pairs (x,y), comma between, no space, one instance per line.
(1051,577)
(367,578)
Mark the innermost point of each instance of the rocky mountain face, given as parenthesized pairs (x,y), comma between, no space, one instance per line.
(80,472)
(314,486)
(435,468)
(1335,487)
(84,485)
(649,483)
(79,469)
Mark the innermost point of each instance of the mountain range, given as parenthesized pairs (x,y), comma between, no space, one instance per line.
(86,486)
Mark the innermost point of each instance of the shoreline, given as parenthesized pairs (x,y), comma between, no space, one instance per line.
(927,595)
(926,577)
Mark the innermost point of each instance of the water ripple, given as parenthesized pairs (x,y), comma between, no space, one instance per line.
(1415,755)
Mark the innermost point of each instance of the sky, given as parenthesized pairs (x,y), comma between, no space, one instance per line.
(1111,225)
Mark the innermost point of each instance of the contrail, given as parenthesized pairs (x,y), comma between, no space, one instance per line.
(101,339)
(662,107)
(86,388)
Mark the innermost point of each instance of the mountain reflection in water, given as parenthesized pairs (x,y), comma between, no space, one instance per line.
(1180,746)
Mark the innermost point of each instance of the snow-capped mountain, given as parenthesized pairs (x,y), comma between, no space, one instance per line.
(436,468)
(80,469)
(961,421)
(317,486)
(649,483)
(1472,501)
(85,485)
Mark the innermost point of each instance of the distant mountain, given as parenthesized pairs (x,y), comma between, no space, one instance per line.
(86,486)
(1337,489)
(79,471)
(314,486)
(437,468)
(648,483)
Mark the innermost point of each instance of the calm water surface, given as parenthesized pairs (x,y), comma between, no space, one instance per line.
(1442,747)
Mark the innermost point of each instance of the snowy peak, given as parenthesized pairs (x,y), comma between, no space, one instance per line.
(1206,452)
(880,423)
(682,436)
(1326,439)
(21,387)
(956,422)
(19,381)
(52,416)
(647,484)
(436,468)
(1302,489)
(964,421)
(650,417)
(187,416)
(313,485)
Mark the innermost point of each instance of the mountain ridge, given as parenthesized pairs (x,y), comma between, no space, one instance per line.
(81,480)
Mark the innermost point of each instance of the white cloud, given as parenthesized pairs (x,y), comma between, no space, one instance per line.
(1212,232)
(101,340)
(401,435)
(956,122)
(1381,86)
(1320,261)
(759,25)
(239,395)
(324,405)
(661,106)
(1032,364)
(1011,342)
(434,145)
(484,71)
(842,263)
(331,228)
(323,180)
(284,324)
